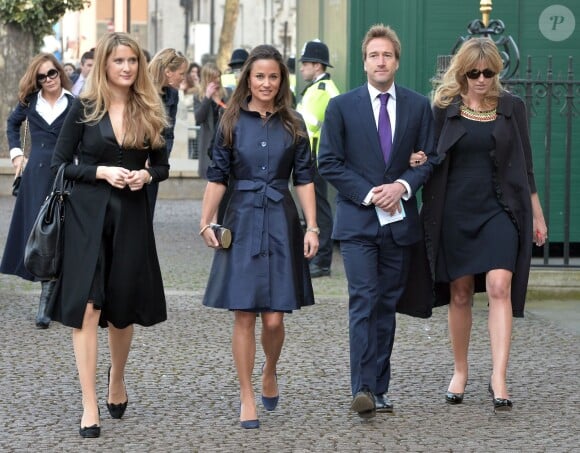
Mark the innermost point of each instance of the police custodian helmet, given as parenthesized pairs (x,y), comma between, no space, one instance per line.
(315,52)
(239,57)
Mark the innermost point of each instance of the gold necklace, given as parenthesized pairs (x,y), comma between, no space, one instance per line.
(474,115)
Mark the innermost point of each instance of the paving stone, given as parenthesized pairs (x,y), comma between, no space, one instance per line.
(183,393)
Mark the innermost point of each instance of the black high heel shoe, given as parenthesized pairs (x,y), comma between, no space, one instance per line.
(453,398)
(90,432)
(116,410)
(499,404)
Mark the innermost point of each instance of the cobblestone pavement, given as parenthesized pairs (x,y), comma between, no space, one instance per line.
(183,391)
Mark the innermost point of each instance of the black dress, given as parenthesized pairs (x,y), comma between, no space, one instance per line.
(477,233)
(110,256)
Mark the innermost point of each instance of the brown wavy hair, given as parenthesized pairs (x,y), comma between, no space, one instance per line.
(454,81)
(282,101)
(28,83)
(144,115)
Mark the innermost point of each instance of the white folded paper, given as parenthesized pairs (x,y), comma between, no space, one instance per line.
(385,218)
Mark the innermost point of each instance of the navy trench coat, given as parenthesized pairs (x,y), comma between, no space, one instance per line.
(265,268)
(36,180)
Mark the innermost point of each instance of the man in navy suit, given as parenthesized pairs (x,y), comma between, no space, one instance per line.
(366,145)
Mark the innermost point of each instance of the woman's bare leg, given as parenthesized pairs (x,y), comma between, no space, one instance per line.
(119,346)
(272,341)
(85,348)
(459,321)
(498,284)
(244,352)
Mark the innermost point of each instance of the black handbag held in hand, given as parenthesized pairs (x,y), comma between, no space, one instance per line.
(43,252)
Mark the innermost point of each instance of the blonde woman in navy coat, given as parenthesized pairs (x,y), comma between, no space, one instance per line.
(43,100)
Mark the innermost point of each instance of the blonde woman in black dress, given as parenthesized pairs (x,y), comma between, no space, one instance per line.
(110,274)
(481,209)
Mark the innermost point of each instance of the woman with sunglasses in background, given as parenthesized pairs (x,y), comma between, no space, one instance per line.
(43,101)
(167,69)
(481,209)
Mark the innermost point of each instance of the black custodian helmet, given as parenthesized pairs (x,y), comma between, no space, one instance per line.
(315,52)
(239,57)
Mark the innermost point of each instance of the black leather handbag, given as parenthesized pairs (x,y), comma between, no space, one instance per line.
(43,252)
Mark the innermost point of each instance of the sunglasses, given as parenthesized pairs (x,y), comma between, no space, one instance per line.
(474,74)
(52,74)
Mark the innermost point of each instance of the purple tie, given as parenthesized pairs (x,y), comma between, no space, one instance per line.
(385,136)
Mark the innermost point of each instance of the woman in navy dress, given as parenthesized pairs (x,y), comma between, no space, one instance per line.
(481,208)
(261,143)
(43,100)
(110,271)
(167,69)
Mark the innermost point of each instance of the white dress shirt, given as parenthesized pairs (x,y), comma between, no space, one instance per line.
(48,112)
(392,111)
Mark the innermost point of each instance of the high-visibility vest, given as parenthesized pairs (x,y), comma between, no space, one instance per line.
(312,107)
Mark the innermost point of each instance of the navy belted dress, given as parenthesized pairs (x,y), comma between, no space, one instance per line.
(264,269)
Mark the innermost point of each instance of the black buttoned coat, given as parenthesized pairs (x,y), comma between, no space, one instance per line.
(513,182)
(133,285)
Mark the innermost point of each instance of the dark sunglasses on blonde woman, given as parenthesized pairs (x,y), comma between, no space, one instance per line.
(52,74)
(474,74)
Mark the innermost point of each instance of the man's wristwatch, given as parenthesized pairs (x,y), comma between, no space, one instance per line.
(313,230)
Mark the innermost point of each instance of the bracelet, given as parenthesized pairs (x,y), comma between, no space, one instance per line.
(313,230)
(150,178)
(203,229)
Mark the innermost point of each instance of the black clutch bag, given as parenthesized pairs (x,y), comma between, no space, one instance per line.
(222,234)
(16,185)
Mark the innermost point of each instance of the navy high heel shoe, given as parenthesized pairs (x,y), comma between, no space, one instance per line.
(499,404)
(249,424)
(116,410)
(270,402)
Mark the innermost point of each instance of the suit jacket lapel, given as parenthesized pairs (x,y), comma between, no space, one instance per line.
(401,123)
(366,118)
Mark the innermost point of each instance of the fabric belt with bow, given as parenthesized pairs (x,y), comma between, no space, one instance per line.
(263,191)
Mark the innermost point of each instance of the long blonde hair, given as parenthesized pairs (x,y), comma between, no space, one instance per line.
(165,60)
(454,81)
(282,101)
(144,115)
(209,72)
(28,83)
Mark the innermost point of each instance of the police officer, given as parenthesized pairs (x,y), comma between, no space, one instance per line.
(319,90)
(237,60)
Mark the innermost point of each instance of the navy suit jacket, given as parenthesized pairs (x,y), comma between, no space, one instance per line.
(350,158)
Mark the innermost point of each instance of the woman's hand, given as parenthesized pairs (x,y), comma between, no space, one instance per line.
(18,162)
(417,159)
(136,179)
(540,231)
(115,176)
(310,244)
(211,90)
(209,237)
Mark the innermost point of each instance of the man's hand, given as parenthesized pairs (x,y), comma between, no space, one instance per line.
(388,197)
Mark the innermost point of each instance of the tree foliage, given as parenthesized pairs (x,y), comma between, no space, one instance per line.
(37,17)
